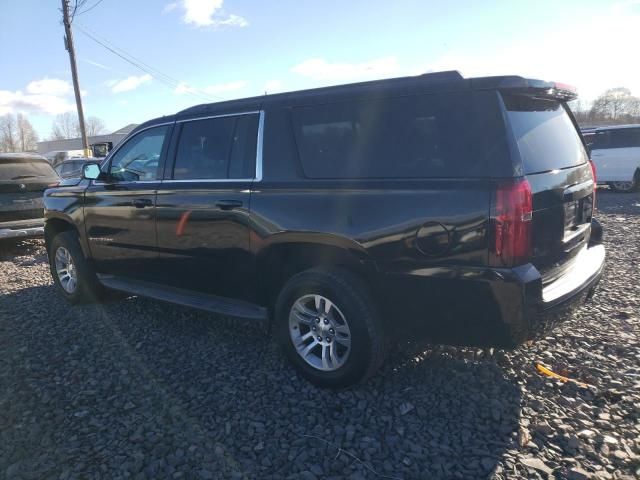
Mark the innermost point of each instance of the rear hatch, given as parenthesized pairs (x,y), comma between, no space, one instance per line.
(22,183)
(555,164)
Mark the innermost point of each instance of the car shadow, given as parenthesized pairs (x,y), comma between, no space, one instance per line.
(143,386)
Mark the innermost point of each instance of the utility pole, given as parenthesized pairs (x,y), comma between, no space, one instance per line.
(68,44)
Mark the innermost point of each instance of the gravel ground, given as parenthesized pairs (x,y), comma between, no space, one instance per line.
(140,389)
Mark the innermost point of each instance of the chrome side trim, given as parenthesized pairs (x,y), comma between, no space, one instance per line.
(259,147)
(208,180)
(218,116)
(136,182)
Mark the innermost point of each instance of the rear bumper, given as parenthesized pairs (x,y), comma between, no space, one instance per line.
(552,304)
(487,307)
(22,228)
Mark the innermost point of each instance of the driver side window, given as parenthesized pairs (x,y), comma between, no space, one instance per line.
(138,159)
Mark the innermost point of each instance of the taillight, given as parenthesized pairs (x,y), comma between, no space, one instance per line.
(511,224)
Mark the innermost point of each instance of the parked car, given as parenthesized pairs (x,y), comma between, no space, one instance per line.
(460,209)
(72,168)
(616,153)
(58,156)
(23,179)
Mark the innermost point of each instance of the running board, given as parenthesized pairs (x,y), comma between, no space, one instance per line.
(187,298)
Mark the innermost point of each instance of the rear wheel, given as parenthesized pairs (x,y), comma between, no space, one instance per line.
(71,272)
(624,187)
(329,327)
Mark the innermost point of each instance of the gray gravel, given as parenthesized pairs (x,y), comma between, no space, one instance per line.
(139,389)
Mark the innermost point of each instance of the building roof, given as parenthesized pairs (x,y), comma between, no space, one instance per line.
(126,129)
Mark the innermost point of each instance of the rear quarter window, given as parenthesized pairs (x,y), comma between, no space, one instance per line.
(423,136)
(546,137)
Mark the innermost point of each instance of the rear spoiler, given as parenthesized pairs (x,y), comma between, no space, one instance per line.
(528,86)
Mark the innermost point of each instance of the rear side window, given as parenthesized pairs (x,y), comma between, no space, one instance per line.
(547,138)
(621,138)
(25,170)
(403,137)
(217,148)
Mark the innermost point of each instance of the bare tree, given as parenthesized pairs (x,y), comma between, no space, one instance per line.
(615,105)
(27,136)
(8,133)
(95,126)
(65,126)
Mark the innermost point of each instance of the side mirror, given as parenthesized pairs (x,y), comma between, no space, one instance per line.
(91,171)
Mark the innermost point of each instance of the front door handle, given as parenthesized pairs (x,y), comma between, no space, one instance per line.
(228,204)
(142,202)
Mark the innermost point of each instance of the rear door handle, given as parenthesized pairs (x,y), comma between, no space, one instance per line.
(228,204)
(142,202)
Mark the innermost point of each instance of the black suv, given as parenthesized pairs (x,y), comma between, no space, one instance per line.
(460,209)
(23,179)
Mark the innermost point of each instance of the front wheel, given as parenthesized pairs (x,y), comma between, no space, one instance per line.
(72,274)
(329,327)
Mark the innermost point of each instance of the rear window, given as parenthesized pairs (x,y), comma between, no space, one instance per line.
(621,138)
(25,170)
(403,137)
(547,138)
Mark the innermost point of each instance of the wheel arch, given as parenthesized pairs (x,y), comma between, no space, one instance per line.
(282,259)
(55,225)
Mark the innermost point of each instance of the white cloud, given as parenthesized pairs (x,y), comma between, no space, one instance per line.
(49,86)
(129,83)
(322,70)
(554,56)
(220,88)
(206,13)
(47,96)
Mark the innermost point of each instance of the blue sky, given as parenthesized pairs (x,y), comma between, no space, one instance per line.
(224,49)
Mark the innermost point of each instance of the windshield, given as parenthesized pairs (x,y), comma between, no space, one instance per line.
(547,138)
(19,170)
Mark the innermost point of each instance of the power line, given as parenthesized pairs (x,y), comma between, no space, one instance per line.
(155,73)
(89,8)
(172,82)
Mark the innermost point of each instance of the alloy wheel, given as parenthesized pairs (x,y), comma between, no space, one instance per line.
(66,270)
(319,332)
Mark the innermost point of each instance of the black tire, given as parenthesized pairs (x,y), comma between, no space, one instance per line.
(635,183)
(87,287)
(350,294)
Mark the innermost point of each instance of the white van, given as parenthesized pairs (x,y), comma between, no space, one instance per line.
(616,153)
